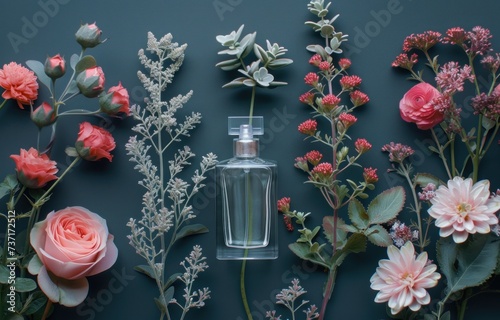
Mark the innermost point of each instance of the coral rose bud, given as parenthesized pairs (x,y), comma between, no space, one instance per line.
(34,170)
(115,101)
(90,82)
(94,143)
(88,36)
(44,115)
(55,67)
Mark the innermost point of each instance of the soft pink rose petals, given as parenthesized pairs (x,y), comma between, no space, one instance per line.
(71,244)
(416,106)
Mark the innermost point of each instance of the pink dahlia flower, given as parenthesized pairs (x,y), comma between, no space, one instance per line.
(402,279)
(463,208)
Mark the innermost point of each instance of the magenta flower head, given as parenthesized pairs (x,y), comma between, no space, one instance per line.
(55,67)
(89,36)
(91,82)
(44,115)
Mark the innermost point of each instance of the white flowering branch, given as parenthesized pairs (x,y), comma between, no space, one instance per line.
(166,212)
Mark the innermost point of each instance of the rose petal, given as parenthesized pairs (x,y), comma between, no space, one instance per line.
(69,293)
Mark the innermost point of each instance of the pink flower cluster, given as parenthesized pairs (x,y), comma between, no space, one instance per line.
(308,127)
(401,233)
(398,152)
(423,41)
(322,170)
(350,82)
(451,77)
(362,145)
(370,175)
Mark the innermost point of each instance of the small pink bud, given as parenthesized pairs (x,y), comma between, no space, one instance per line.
(55,67)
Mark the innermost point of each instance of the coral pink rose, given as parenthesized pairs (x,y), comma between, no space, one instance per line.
(115,101)
(71,244)
(90,82)
(94,143)
(34,170)
(19,84)
(416,106)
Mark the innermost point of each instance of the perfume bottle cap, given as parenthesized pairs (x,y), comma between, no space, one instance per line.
(245,146)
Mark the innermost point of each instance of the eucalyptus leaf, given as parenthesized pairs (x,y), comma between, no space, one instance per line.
(147,270)
(14,316)
(191,229)
(358,215)
(379,236)
(161,305)
(170,281)
(39,69)
(4,274)
(468,264)
(74,60)
(386,205)
(72,88)
(85,63)
(25,285)
(34,303)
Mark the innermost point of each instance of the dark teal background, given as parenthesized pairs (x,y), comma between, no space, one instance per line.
(36,29)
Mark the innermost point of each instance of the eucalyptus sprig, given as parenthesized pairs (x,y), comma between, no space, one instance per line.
(255,73)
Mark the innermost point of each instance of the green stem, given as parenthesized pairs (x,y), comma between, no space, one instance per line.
(328,290)
(47,309)
(252,103)
(441,153)
(3,103)
(243,289)
(422,240)
(463,305)
(78,112)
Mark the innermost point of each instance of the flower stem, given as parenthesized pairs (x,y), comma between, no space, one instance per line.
(328,290)
(441,153)
(243,289)
(47,309)
(252,103)
(3,103)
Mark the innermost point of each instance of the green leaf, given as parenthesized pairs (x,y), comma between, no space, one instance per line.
(8,185)
(302,251)
(34,303)
(72,88)
(170,281)
(39,69)
(279,63)
(238,82)
(14,316)
(169,294)
(25,285)
(161,305)
(386,205)
(85,63)
(228,65)
(487,123)
(191,229)
(423,179)
(378,236)
(328,227)
(4,274)
(355,243)
(147,270)
(74,60)
(469,264)
(358,215)
(261,54)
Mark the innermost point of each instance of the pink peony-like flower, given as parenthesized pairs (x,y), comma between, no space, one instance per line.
(34,170)
(19,84)
(72,244)
(94,142)
(462,208)
(416,106)
(402,279)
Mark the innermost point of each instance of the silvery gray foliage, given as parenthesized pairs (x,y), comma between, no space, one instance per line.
(167,212)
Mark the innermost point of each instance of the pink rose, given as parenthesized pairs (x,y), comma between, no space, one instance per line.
(94,143)
(19,84)
(115,101)
(71,244)
(34,170)
(90,82)
(55,67)
(416,106)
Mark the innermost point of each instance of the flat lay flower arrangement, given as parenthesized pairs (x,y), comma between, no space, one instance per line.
(439,230)
(456,200)
(48,262)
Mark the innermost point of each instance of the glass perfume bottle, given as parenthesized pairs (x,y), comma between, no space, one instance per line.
(246,197)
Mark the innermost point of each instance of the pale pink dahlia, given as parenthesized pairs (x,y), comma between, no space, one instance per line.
(463,208)
(402,279)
